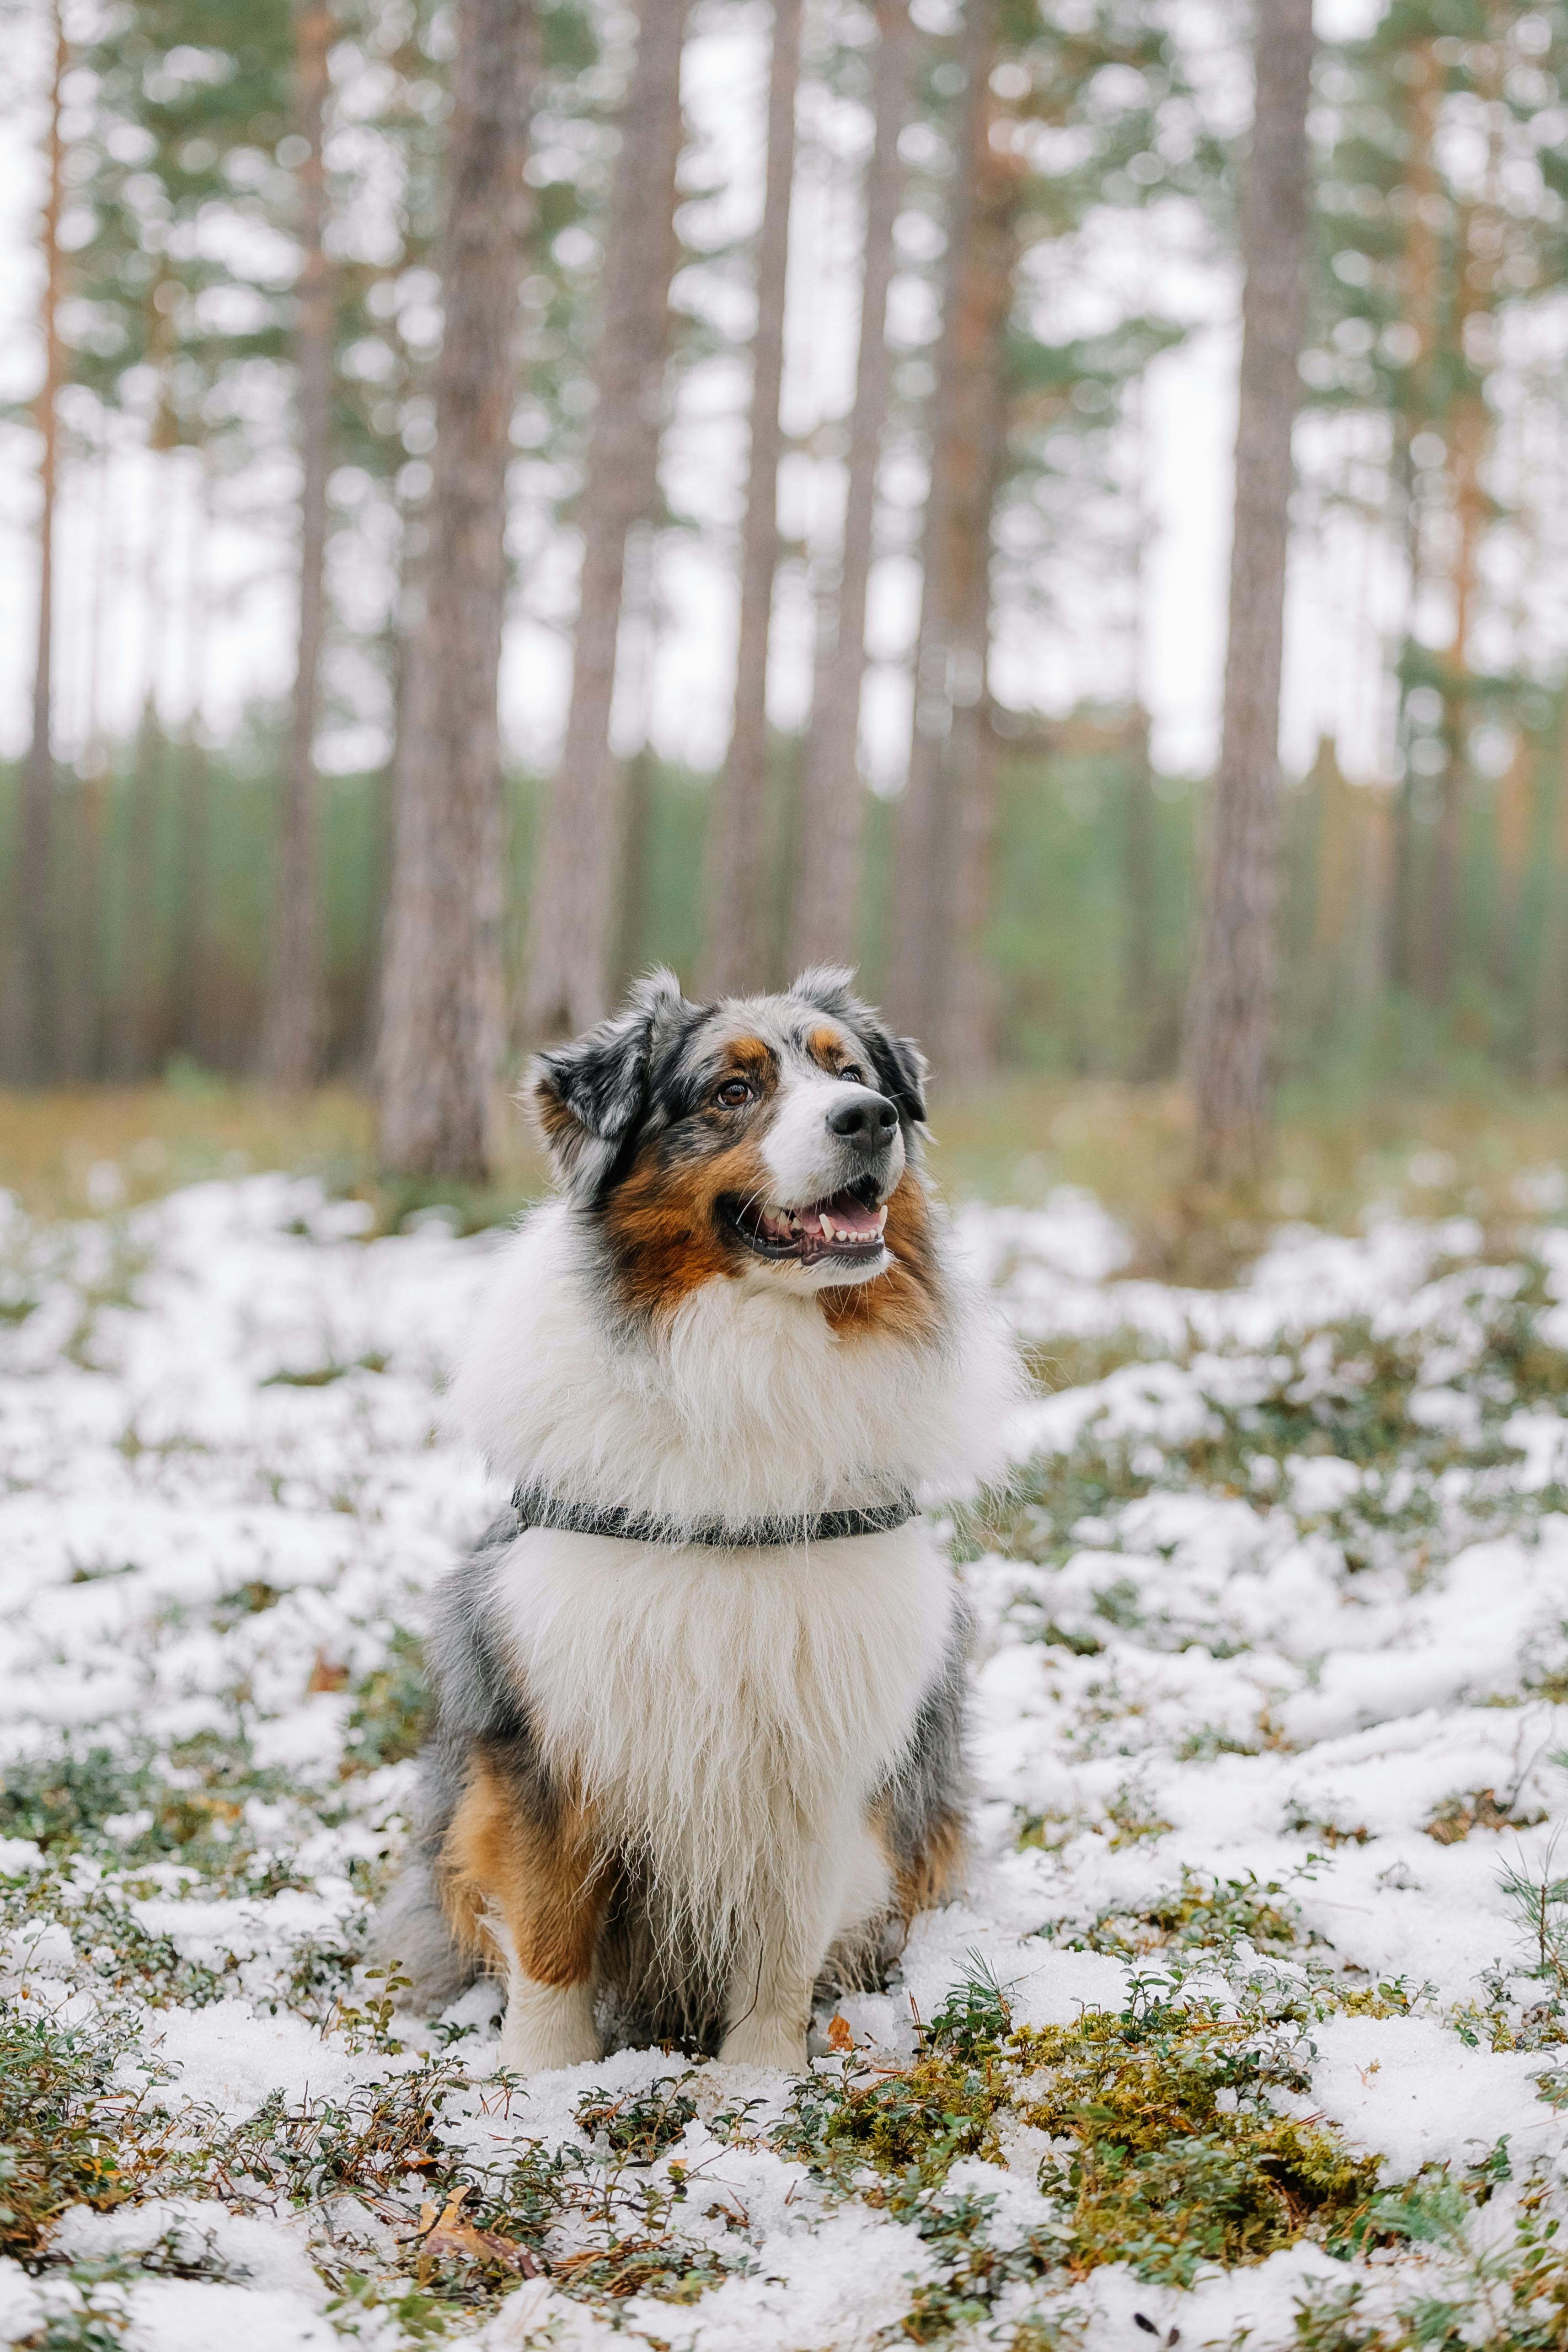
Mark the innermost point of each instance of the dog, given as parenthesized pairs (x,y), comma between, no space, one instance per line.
(700,1690)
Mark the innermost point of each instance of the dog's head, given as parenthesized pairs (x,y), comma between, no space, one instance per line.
(770,1135)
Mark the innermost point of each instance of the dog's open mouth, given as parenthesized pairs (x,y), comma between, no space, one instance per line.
(847,1225)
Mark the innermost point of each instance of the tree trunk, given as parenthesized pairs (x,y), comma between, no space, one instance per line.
(962,1033)
(573,935)
(832,812)
(939,973)
(1516,827)
(139,993)
(1467,438)
(638,840)
(294,1018)
(1549,1008)
(442,994)
(27,1028)
(193,786)
(639,627)
(1467,433)
(1420,274)
(1137,904)
(741,851)
(83,996)
(1231,1013)
(912,985)
(414,552)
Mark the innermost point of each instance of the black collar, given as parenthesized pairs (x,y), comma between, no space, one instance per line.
(537,1508)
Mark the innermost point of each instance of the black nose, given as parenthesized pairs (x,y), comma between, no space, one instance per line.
(863,1118)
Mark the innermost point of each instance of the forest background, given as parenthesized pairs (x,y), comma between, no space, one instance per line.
(747,346)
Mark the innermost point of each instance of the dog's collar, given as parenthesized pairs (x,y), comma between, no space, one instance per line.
(537,1508)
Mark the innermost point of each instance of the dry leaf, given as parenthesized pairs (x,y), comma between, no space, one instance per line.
(448,2238)
(325,1676)
(839,2037)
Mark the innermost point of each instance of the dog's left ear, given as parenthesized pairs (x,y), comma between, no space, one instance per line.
(901,1068)
(587,1098)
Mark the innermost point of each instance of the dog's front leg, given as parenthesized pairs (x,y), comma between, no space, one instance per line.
(817,1887)
(548,1932)
(537,1891)
(770,1996)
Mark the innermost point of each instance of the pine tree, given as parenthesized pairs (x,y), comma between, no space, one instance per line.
(1423,259)
(950,668)
(442,994)
(29,979)
(294,1018)
(832,810)
(179,90)
(572,937)
(742,828)
(1231,1015)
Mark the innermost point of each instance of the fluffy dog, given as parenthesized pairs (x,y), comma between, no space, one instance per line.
(701,1689)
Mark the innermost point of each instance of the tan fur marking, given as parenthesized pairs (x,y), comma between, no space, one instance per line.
(826,1046)
(662,1224)
(546,1886)
(903,1303)
(554,1120)
(751,1057)
(929,1876)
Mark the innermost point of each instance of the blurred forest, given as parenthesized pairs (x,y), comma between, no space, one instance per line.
(250,223)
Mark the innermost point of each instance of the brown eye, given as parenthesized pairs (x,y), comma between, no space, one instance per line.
(853,1074)
(733,1093)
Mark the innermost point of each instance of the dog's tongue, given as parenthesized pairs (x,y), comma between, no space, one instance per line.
(847,1220)
(851,1216)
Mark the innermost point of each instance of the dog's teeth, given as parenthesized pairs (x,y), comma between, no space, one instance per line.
(882,1219)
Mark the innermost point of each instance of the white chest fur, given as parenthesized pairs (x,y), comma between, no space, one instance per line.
(720,1707)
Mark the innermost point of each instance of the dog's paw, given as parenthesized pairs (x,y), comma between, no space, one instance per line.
(766,2042)
(548,2026)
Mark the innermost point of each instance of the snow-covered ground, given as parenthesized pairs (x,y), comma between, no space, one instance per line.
(1249,2025)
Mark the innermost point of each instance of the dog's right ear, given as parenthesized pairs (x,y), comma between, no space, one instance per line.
(586,1098)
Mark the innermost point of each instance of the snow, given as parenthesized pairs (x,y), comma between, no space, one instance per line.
(224,1487)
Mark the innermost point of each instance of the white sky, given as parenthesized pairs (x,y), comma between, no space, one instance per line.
(125,564)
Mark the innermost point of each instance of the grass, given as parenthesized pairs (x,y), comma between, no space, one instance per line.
(1161,2143)
(75,1151)
(1165,2150)
(70,2134)
(87,1151)
(1131,1146)
(1347,1392)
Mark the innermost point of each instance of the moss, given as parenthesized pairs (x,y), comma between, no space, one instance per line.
(1169,2151)
(917,2120)
(1173,2155)
(1201,1913)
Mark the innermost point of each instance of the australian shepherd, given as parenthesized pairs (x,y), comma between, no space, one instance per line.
(700,1728)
